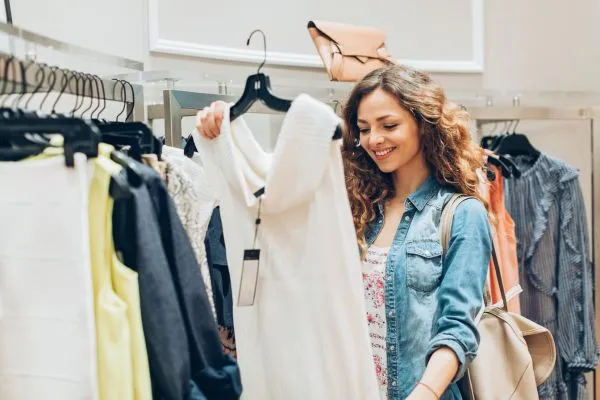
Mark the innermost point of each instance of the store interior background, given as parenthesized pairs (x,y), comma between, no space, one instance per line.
(546,50)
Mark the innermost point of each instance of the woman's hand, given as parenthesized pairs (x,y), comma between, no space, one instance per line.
(209,120)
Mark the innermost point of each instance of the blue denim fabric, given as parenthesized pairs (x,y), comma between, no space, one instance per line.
(431,299)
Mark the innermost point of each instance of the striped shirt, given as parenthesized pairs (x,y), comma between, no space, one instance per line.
(547,206)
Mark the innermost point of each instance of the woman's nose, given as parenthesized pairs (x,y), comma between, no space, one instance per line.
(376,138)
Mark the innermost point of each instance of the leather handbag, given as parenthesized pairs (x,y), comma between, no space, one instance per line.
(515,354)
(349,52)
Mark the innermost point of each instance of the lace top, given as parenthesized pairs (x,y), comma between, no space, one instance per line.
(373,272)
(194,210)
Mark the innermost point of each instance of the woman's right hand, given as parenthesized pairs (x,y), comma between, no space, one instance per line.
(209,120)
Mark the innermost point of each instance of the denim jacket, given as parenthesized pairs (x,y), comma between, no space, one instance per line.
(431,299)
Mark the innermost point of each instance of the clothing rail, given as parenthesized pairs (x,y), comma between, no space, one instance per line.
(82,85)
(486,115)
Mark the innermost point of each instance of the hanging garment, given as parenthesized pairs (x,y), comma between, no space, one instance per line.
(122,357)
(547,206)
(115,371)
(187,185)
(151,160)
(505,243)
(47,334)
(183,345)
(306,336)
(221,282)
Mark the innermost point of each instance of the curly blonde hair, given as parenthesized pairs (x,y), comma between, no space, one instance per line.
(451,154)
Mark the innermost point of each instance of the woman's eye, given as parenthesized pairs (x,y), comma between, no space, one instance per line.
(363,131)
(390,126)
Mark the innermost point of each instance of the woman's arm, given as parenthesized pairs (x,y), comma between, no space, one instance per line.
(455,339)
(441,369)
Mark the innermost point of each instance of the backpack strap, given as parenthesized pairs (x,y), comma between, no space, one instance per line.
(446,231)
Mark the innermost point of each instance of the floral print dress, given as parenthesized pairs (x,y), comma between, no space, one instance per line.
(373,271)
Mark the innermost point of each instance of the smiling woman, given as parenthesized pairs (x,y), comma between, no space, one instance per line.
(407,150)
(401,128)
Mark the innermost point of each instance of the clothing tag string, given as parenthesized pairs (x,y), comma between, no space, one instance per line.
(250,265)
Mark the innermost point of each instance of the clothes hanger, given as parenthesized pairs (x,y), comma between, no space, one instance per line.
(487,140)
(135,134)
(101,110)
(516,144)
(39,82)
(258,88)
(79,135)
(504,169)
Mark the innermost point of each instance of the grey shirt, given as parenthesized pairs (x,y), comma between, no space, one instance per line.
(556,272)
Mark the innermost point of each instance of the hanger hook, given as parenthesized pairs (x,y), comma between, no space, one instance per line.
(103,98)
(41,70)
(264,47)
(96,78)
(88,79)
(123,95)
(23,72)
(51,83)
(515,128)
(7,65)
(130,112)
(65,80)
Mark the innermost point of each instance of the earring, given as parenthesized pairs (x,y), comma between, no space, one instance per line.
(356,143)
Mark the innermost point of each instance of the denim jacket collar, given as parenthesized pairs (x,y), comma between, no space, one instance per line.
(420,197)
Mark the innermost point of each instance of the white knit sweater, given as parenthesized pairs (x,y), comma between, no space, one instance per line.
(306,336)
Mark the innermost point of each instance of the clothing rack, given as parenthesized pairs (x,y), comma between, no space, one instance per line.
(487,115)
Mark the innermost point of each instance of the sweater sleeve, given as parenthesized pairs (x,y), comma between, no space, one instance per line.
(302,155)
(576,338)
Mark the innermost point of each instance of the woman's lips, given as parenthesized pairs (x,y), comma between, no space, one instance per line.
(383,154)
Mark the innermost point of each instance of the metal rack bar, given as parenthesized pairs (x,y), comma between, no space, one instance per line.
(484,115)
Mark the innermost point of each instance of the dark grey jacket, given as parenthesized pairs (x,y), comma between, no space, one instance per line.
(184,350)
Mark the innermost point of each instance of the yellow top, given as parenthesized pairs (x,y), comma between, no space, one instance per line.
(122,358)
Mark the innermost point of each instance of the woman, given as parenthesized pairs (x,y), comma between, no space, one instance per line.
(406,150)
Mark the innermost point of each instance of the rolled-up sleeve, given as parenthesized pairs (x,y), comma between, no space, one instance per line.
(464,273)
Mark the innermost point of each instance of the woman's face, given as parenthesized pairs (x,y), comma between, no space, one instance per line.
(388,132)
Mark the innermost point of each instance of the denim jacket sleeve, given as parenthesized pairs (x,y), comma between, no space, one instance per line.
(464,270)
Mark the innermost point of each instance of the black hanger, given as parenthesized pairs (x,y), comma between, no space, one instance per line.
(258,87)
(516,172)
(504,169)
(40,81)
(516,144)
(79,136)
(138,135)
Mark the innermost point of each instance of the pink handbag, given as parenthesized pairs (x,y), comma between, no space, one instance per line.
(349,52)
